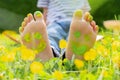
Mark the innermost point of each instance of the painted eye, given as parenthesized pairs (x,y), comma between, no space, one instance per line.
(27,37)
(37,35)
(77,34)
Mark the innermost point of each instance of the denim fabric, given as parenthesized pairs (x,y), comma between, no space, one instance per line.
(58,30)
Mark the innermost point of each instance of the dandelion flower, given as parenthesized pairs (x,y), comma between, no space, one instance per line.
(116,60)
(103,51)
(8,57)
(1,76)
(36,67)
(2,47)
(90,55)
(62,43)
(58,75)
(115,45)
(104,73)
(27,54)
(78,63)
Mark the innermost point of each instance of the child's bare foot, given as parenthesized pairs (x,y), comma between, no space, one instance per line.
(82,35)
(34,35)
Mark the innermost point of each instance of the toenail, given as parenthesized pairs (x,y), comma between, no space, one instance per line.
(90,18)
(38,14)
(37,35)
(27,37)
(28,14)
(23,23)
(86,16)
(78,13)
(20,29)
(77,34)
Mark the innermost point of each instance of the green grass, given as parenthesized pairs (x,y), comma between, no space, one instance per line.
(95,4)
(101,62)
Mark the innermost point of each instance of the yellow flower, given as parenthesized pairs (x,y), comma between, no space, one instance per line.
(90,55)
(104,41)
(36,67)
(115,45)
(58,75)
(1,76)
(103,51)
(2,47)
(62,43)
(105,73)
(8,57)
(116,60)
(78,63)
(27,54)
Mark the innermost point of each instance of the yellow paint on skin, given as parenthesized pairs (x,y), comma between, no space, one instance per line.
(38,14)
(27,37)
(78,48)
(23,24)
(78,13)
(37,35)
(28,14)
(41,46)
(88,17)
(20,29)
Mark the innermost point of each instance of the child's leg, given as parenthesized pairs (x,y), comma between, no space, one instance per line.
(82,35)
(56,31)
(34,35)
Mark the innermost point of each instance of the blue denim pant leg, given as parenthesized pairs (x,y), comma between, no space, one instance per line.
(56,31)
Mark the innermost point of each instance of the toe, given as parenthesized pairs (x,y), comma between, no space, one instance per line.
(30,17)
(38,15)
(78,14)
(88,17)
(20,29)
(94,26)
(23,24)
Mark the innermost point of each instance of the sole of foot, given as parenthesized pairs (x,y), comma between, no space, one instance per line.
(34,35)
(82,35)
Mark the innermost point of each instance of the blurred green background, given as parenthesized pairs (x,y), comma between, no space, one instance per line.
(12,12)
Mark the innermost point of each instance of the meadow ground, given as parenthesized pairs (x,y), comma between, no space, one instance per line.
(102,62)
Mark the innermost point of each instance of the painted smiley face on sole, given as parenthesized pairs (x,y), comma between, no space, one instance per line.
(34,35)
(81,36)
